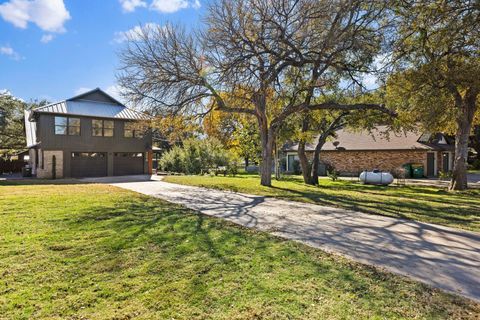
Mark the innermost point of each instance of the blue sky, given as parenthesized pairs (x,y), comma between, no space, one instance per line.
(54,49)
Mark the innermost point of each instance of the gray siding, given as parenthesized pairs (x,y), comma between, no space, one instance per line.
(86,142)
(96,96)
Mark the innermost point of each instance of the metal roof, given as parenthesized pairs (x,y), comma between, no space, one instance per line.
(30,130)
(93,108)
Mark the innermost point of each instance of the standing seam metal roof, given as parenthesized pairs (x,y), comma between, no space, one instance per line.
(93,109)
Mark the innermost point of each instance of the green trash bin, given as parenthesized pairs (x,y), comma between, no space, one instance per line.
(408,170)
(418,171)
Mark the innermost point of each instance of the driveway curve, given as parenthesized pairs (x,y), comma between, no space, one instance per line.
(442,257)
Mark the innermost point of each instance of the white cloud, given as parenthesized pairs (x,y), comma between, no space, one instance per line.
(163,6)
(5,92)
(196,4)
(131,5)
(9,52)
(115,92)
(134,33)
(81,90)
(169,6)
(46,38)
(48,15)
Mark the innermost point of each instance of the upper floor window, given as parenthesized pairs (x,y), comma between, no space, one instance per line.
(133,130)
(67,126)
(102,128)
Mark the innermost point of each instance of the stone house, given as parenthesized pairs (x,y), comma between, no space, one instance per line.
(90,135)
(351,152)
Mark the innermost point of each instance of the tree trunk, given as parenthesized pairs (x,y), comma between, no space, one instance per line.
(464,125)
(302,156)
(304,165)
(476,141)
(267,137)
(316,160)
(459,174)
(277,162)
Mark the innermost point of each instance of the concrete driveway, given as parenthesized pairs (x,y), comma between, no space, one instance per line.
(442,257)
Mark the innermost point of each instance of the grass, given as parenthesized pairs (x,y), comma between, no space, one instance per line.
(98,252)
(426,204)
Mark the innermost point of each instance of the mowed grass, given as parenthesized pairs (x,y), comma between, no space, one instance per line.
(98,252)
(426,204)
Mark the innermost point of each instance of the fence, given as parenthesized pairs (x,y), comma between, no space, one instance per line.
(11,166)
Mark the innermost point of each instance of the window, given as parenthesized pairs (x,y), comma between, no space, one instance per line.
(133,130)
(73,126)
(88,155)
(129,154)
(67,126)
(102,128)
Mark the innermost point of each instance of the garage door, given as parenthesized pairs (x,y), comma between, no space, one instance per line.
(88,164)
(127,163)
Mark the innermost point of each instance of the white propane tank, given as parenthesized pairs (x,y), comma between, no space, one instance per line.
(376,177)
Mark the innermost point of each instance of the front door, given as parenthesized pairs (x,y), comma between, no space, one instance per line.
(430,164)
(445,162)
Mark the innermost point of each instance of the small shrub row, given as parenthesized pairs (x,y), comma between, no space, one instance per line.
(199,156)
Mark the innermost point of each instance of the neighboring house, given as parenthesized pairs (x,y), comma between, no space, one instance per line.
(90,135)
(352,152)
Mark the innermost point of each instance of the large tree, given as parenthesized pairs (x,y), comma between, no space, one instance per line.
(12,127)
(438,54)
(258,57)
(12,132)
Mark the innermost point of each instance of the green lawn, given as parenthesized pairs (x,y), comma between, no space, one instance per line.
(427,204)
(98,252)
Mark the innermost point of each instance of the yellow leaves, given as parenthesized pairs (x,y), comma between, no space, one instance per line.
(175,128)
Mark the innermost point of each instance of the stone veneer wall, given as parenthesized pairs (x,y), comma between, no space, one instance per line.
(354,162)
(46,172)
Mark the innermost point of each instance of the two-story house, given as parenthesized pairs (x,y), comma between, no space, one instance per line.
(90,135)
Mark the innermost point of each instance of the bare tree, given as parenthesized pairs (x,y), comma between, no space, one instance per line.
(264,58)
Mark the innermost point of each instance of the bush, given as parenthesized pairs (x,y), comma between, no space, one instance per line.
(333,175)
(442,175)
(172,161)
(476,164)
(196,156)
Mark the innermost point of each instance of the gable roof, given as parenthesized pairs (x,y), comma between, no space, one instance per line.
(376,140)
(94,103)
(96,95)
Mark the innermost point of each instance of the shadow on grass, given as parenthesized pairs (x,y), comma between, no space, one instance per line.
(122,250)
(406,203)
(176,233)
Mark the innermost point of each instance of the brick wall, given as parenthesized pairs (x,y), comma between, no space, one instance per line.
(46,172)
(354,162)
